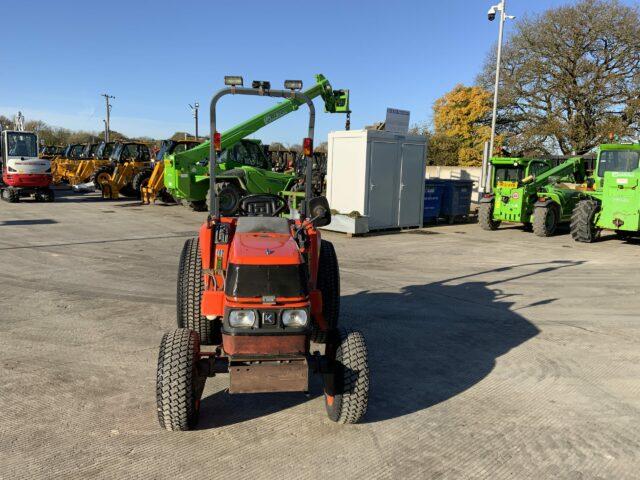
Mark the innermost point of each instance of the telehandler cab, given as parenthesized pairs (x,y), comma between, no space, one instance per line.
(253,292)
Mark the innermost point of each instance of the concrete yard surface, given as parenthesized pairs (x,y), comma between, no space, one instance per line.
(493,355)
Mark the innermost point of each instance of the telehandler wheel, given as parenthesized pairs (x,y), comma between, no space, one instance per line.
(178,385)
(229,196)
(583,227)
(485,217)
(189,294)
(346,390)
(101,175)
(329,285)
(545,221)
(196,205)
(140,179)
(166,197)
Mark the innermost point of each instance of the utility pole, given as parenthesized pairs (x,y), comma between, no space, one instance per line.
(195,108)
(106,123)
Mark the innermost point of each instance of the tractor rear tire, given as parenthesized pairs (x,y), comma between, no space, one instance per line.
(229,196)
(545,221)
(140,179)
(177,382)
(189,293)
(329,286)
(583,227)
(485,217)
(101,174)
(346,392)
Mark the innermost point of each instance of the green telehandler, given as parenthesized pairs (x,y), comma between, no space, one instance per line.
(612,199)
(244,168)
(532,192)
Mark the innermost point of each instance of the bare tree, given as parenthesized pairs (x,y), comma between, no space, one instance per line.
(571,76)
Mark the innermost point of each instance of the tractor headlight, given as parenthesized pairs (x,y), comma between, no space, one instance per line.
(242,318)
(294,318)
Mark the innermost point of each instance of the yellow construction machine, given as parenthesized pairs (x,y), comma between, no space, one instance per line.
(95,156)
(129,159)
(62,166)
(151,182)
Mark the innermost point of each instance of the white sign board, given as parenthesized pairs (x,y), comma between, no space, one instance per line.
(397,121)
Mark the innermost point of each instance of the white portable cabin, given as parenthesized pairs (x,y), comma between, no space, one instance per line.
(378,174)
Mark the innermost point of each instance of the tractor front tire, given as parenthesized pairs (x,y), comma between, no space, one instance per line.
(329,286)
(101,175)
(545,221)
(583,228)
(346,391)
(189,293)
(485,217)
(178,385)
(229,196)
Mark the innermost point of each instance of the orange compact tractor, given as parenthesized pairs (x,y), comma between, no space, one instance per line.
(258,298)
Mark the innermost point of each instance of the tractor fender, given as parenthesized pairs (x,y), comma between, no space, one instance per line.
(205,235)
(548,202)
(486,198)
(235,175)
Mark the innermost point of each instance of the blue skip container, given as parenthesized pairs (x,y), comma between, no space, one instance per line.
(433,189)
(456,199)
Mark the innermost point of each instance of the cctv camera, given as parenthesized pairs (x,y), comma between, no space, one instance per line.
(492,13)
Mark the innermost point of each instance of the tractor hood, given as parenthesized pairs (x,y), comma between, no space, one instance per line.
(264,249)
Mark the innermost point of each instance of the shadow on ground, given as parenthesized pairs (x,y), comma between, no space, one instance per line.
(36,221)
(427,343)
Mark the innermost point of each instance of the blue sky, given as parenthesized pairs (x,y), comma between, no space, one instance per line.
(158,56)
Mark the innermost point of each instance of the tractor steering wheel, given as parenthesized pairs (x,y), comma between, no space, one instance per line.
(261,205)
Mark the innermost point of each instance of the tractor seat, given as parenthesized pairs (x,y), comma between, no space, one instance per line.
(263,225)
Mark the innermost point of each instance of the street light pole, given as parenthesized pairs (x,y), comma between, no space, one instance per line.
(195,108)
(107,121)
(501,7)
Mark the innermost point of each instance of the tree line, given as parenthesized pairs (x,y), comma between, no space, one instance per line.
(570,79)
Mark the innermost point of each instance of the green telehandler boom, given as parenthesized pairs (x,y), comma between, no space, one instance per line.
(243,168)
(532,192)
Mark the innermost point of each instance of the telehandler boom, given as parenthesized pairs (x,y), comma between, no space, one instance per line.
(186,175)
